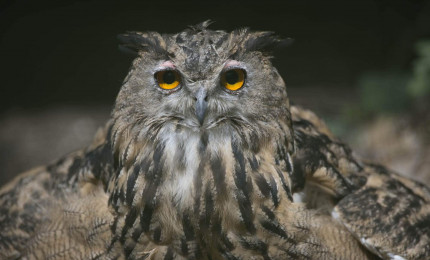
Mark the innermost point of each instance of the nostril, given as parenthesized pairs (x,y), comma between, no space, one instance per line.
(206,99)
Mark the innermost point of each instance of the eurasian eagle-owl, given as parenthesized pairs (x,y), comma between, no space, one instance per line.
(204,158)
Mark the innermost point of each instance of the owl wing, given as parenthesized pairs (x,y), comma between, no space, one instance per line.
(57,211)
(387,213)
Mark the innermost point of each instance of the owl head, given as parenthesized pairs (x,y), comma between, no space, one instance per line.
(203,81)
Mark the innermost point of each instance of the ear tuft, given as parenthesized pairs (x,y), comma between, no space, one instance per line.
(201,26)
(265,42)
(135,42)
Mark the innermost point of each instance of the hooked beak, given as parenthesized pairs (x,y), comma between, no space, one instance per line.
(201,105)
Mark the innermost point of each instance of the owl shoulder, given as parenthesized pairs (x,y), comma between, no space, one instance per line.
(388,213)
(57,196)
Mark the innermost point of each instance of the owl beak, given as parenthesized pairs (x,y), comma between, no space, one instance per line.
(201,104)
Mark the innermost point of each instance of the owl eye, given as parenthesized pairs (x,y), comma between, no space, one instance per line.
(233,79)
(168,79)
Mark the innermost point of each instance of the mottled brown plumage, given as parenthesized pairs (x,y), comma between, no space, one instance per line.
(201,172)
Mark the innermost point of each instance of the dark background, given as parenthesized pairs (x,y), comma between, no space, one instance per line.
(66,51)
(62,56)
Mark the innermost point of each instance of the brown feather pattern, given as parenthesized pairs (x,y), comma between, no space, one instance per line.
(257,179)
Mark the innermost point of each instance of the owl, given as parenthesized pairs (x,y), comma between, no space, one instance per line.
(204,158)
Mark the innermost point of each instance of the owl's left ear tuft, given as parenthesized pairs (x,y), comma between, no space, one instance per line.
(135,42)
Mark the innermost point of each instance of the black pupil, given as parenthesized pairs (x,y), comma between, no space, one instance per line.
(231,77)
(169,77)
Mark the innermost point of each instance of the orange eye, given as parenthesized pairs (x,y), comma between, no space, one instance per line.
(168,79)
(233,79)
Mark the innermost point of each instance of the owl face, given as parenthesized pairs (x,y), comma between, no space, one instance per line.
(203,81)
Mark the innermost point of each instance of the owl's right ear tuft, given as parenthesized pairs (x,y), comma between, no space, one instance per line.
(135,42)
(202,26)
(265,42)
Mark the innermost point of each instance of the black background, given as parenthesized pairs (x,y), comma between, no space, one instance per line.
(65,52)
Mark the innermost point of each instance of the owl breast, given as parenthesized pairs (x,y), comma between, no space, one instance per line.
(197,185)
(196,163)
(182,157)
